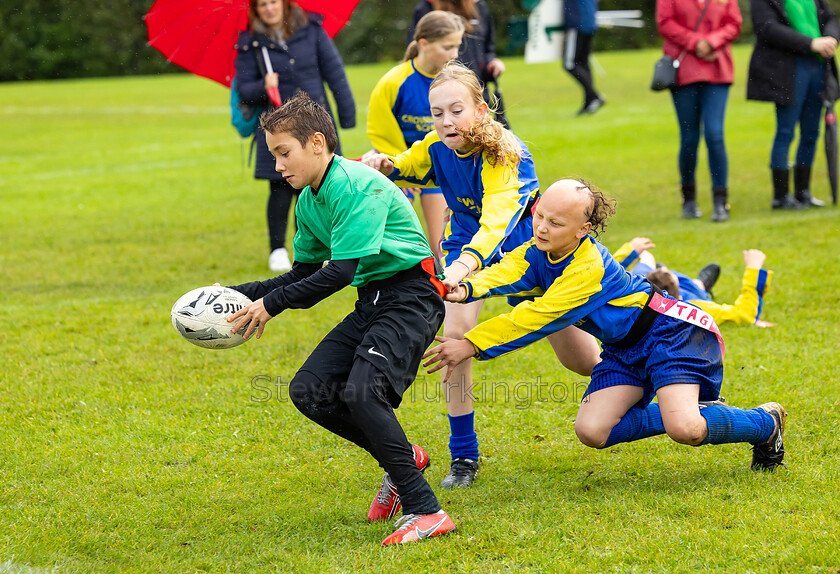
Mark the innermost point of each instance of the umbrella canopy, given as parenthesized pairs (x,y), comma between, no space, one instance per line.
(831,148)
(199,35)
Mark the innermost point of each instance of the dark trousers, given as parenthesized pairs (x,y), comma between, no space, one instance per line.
(702,104)
(279,202)
(356,376)
(576,50)
(806,110)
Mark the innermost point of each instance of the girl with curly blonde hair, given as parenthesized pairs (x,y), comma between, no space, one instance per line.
(488,178)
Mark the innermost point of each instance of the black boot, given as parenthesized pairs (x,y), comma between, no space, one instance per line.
(801,187)
(720,196)
(708,276)
(781,190)
(689,208)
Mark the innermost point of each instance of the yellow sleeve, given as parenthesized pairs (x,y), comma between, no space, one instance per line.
(501,208)
(507,277)
(746,309)
(563,304)
(626,256)
(382,128)
(413,167)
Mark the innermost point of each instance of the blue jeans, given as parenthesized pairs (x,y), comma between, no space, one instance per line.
(806,109)
(706,103)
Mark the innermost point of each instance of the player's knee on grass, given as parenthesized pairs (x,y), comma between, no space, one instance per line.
(687,430)
(592,432)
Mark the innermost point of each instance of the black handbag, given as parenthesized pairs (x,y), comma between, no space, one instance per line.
(665,74)
(666,68)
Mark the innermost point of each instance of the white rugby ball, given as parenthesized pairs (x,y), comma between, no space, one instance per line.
(200,317)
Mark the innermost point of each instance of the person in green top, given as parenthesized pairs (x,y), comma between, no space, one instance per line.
(793,66)
(362,223)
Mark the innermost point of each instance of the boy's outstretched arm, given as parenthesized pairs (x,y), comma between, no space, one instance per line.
(301,294)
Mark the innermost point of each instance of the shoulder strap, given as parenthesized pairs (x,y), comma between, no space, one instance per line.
(697,26)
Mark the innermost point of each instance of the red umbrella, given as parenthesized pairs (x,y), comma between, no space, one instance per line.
(199,35)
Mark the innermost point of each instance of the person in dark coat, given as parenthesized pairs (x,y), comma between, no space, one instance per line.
(303,58)
(793,66)
(580,26)
(478,47)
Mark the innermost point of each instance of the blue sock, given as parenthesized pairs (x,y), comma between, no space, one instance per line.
(636,424)
(729,424)
(463,442)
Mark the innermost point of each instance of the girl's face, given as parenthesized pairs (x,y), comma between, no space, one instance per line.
(453,108)
(434,55)
(270,12)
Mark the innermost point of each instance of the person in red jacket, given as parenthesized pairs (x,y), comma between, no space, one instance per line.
(705,74)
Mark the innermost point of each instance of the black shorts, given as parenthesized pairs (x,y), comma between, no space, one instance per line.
(390,328)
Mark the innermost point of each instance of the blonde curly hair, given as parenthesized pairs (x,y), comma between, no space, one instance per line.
(498,144)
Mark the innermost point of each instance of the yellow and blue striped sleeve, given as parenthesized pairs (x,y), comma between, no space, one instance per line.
(562,304)
(383,130)
(501,208)
(626,256)
(747,307)
(507,277)
(413,167)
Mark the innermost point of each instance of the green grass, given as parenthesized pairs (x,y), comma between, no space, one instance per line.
(125,449)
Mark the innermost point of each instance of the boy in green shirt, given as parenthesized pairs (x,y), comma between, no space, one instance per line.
(362,223)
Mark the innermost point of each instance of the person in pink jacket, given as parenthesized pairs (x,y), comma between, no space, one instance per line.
(704,76)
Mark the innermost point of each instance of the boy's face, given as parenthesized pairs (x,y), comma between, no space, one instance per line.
(300,165)
(452,109)
(560,219)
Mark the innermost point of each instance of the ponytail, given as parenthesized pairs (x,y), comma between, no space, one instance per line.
(412,51)
(432,27)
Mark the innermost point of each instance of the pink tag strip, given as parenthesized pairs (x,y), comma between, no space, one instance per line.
(689,314)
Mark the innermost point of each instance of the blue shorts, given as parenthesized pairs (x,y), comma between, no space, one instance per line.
(409,192)
(673,351)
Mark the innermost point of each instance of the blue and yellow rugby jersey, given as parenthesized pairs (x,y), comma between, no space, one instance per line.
(486,202)
(587,288)
(399,112)
(747,307)
(689,290)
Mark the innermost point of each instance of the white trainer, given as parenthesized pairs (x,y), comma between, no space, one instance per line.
(278,261)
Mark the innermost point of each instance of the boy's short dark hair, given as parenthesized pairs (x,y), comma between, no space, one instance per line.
(301,117)
(666,281)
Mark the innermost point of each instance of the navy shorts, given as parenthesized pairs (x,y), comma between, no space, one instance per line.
(672,352)
(390,328)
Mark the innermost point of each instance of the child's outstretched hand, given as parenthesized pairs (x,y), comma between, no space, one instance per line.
(641,244)
(456,295)
(254,316)
(754,259)
(450,353)
(379,162)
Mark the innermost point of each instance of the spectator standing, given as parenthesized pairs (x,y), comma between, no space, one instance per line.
(793,66)
(580,26)
(303,58)
(705,74)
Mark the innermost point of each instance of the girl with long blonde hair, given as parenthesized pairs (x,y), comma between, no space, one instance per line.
(488,178)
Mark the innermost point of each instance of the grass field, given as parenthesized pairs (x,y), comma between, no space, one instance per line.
(125,449)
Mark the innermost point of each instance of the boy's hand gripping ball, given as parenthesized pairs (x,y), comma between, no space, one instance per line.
(200,317)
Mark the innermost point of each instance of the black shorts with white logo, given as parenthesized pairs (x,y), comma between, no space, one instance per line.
(390,328)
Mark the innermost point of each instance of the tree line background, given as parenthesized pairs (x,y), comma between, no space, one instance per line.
(52,39)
